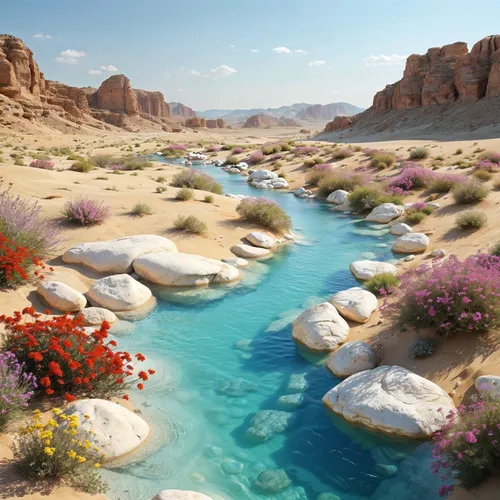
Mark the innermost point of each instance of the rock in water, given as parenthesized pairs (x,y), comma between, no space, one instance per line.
(249,251)
(393,400)
(338,197)
(320,328)
(400,228)
(366,269)
(355,304)
(351,358)
(61,296)
(385,212)
(272,481)
(261,240)
(267,423)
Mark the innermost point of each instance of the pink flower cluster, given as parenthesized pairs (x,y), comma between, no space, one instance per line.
(237,151)
(214,149)
(43,164)
(323,167)
(412,176)
(116,167)
(305,151)
(177,147)
(86,211)
(489,166)
(256,157)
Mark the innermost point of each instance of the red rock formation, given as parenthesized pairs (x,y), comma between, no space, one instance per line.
(260,121)
(179,109)
(339,123)
(152,103)
(72,99)
(221,123)
(287,122)
(117,95)
(211,123)
(196,122)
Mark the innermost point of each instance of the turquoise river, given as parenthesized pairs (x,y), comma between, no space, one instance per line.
(223,354)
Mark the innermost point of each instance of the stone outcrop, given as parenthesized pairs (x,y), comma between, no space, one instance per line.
(216,123)
(352,357)
(61,296)
(115,94)
(260,121)
(444,75)
(179,109)
(196,122)
(152,103)
(72,99)
(328,111)
(339,123)
(221,123)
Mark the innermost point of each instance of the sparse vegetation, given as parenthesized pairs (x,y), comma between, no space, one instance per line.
(382,284)
(420,153)
(141,209)
(265,213)
(482,175)
(102,161)
(209,198)
(382,160)
(82,166)
(471,220)
(421,348)
(196,180)
(184,194)
(190,224)
(332,182)
(470,192)
(161,189)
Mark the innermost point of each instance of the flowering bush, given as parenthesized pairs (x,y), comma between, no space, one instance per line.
(256,157)
(340,180)
(412,176)
(277,157)
(469,302)
(60,449)
(190,178)
(417,212)
(43,164)
(490,156)
(306,151)
(318,172)
(237,151)
(342,154)
(487,165)
(265,213)
(86,211)
(116,167)
(443,183)
(467,449)
(382,283)
(16,387)
(65,360)
(177,147)
(214,149)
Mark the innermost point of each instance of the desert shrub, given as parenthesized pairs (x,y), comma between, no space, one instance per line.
(141,209)
(40,156)
(286,146)
(364,199)
(470,302)
(102,161)
(161,189)
(439,158)
(190,224)
(459,151)
(412,176)
(82,166)
(214,149)
(470,192)
(232,160)
(277,157)
(86,211)
(444,183)
(414,217)
(43,164)
(267,150)
(256,157)
(482,175)
(265,213)
(382,160)
(74,157)
(65,360)
(61,449)
(472,219)
(309,162)
(237,151)
(490,156)
(495,249)
(161,179)
(19,162)
(333,181)
(421,348)
(382,284)
(317,173)
(208,198)
(420,153)
(184,194)
(342,154)
(196,180)
(16,387)
(136,164)
(467,449)
(116,168)
(306,151)
(487,166)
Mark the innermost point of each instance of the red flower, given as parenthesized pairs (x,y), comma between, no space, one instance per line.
(35,356)
(140,357)
(69,397)
(151,372)
(140,387)
(45,381)
(55,369)
(125,396)
(143,376)
(49,392)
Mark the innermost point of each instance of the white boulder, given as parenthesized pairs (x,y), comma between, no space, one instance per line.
(262,175)
(351,358)
(489,384)
(411,243)
(355,304)
(249,251)
(300,191)
(117,256)
(261,240)
(234,170)
(116,430)
(400,228)
(393,400)
(236,261)
(344,207)
(94,316)
(320,328)
(338,197)
(61,296)
(438,254)
(385,212)
(119,292)
(183,269)
(180,495)
(366,269)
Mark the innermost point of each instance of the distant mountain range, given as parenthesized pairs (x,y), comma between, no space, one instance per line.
(301,111)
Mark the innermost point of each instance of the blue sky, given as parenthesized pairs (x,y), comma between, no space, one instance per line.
(246,53)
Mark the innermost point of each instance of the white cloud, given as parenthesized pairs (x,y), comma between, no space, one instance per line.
(109,68)
(232,46)
(254,50)
(282,50)
(223,70)
(43,35)
(317,63)
(300,51)
(383,60)
(70,56)
(95,72)
(194,72)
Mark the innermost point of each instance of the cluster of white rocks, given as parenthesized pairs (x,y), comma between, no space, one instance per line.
(303,193)
(258,244)
(236,169)
(265,179)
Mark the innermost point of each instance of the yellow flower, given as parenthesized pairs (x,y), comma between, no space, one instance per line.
(52,423)
(49,451)
(81,459)
(87,444)
(72,454)
(73,432)
(47,442)
(36,412)
(38,426)
(97,465)
(73,425)
(56,411)
(96,448)
(46,435)
(63,416)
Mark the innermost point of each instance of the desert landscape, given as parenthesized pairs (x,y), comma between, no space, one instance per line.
(295,302)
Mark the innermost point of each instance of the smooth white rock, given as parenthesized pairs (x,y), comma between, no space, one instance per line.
(409,258)
(262,175)
(117,431)
(393,400)
(61,296)
(432,205)
(249,251)
(119,292)
(234,170)
(366,269)
(180,495)
(338,197)
(236,261)
(355,304)
(94,316)
(117,256)
(438,254)
(351,358)
(183,269)
(400,228)
(411,243)
(489,384)
(261,240)
(385,212)
(345,207)
(320,328)
(299,191)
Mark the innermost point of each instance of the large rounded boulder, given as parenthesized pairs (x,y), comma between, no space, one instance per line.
(94,316)
(351,358)
(261,240)
(249,251)
(61,296)
(392,400)
(411,243)
(385,212)
(365,270)
(355,304)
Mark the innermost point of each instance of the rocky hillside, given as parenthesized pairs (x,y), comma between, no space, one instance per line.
(266,121)
(181,110)
(328,111)
(446,88)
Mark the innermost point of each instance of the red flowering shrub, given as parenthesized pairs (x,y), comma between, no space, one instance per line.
(16,263)
(65,360)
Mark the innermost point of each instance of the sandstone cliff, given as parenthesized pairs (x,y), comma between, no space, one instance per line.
(339,123)
(179,109)
(265,121)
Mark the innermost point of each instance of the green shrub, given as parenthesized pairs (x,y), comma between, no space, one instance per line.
(82,166)
(495,249)
(209,198)
(19,162)
(196,180)
(421,348)
(470,192)
(482,175)
(443,184)
(161,179)
(161,189)
(472,219)
(386,282)
(335,181)
(142,209)
(136,164)
(342,154)
(420,153)
(184,194)
(102,161)
(265,213)
(439,158)
(414,217)
(309,162)
(286,147)
(74,157)
(232,160)
(382,160)
(459,151)
(364,199)
(40,156)
(314,177)
(496,184)
(190,224)
(490,156)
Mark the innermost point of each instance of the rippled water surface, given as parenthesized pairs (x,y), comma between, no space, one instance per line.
(224,354)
